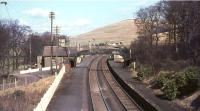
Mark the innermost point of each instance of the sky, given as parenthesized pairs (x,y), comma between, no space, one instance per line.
(74,17)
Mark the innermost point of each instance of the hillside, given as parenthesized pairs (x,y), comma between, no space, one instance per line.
(123,31)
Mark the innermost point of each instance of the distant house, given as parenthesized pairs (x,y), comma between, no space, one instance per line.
(59,55)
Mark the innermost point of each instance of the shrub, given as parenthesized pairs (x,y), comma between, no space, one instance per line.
(144,72)
(19,93)
(180,79)
(193,79)
(180,83)
(192,72)
(170,83)
(170,89)
(160,80)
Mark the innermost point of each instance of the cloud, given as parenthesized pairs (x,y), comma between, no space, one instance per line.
(37,12)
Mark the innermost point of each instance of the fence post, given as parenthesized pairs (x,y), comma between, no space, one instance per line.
(15,82)
(134,65)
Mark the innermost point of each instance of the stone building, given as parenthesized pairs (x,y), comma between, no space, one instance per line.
(59,55)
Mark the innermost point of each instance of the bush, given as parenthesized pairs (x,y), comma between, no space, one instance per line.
(18,94)
(180,79)
(192,78)
(169,83)
(144,72)
(160,80)
(180,83)
(192,72)
(170,89)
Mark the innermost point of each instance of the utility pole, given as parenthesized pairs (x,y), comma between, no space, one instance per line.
(57,39)
(52,16)
(57,30)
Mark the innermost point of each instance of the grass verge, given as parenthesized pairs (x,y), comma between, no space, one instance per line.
(24,98)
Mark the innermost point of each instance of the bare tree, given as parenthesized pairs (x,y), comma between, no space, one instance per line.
(180,20)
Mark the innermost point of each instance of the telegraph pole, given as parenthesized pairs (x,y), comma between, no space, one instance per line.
(57,37)
(57,29)
(52,16)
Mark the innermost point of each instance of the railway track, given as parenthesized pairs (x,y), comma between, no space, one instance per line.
(106,93)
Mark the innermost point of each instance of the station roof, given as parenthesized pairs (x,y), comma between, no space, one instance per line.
(59,51)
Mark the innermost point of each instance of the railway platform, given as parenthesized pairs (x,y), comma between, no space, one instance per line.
(72,93)
(147,93)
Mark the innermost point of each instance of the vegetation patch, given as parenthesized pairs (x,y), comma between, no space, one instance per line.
(24,98)
(144,72)
(180,83)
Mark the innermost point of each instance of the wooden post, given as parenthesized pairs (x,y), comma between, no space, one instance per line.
(134,65)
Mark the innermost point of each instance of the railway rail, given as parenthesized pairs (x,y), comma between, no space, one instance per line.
(106,93)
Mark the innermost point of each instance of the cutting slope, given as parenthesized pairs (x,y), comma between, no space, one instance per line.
(123,31)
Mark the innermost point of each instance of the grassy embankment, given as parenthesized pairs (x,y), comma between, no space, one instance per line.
(24,98)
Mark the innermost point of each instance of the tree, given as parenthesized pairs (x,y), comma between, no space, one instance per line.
(181,23)
(12,38)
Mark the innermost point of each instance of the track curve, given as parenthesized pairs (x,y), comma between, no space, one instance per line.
(106,93)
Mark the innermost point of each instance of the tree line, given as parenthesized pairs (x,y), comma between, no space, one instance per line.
(16,41)
(179,24)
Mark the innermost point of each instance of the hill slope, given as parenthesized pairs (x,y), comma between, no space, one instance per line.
(123,31)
